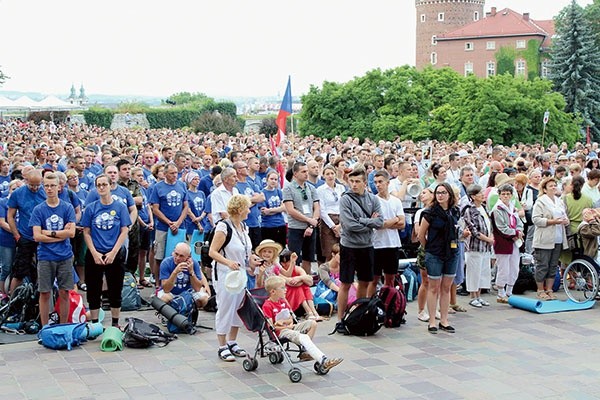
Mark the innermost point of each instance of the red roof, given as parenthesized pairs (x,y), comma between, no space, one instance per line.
(505,22)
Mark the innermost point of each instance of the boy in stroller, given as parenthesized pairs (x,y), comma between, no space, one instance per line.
(276,309)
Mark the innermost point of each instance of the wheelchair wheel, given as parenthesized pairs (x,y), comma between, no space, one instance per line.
(580,281)
(295,375)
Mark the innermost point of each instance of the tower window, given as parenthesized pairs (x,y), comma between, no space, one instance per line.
(434,40)
(441,17)
(476,16)
(423,17)
(433,58)
(469,46)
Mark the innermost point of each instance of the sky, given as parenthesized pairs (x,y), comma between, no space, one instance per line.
(223,48)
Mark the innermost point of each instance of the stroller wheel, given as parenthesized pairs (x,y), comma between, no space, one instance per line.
(280,358)
(274,358)
(250,364)
(295,375)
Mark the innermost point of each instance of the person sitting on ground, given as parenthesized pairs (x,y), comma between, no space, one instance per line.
(298,283)
(278,311)
(329,274)
(179,273)
(268,250)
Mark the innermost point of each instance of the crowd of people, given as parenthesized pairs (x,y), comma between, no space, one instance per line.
(96,203)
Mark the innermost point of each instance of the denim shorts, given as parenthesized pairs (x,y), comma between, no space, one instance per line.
(437,266)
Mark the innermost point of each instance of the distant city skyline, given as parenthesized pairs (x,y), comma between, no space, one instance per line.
(153,48)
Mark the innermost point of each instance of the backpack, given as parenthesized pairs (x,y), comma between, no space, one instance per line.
(525,280)
(184,304)
(140,334)
(76,307)
(410,283)
(364,317)
(130,294)
(208,238)
(63,336)
(394,303)
(23,306)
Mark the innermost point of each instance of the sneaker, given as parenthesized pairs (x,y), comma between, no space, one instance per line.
(423,316)
(163,320)
(152,279)
(483,302)
(475,303)
(329,363)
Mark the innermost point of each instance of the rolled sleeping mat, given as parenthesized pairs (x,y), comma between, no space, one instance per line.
(93,330)
(112,339)
(179,320)
(101,315)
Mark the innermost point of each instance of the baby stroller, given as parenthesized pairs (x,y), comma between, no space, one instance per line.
(276,349)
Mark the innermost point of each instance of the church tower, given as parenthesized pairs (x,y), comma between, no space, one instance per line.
(435,17)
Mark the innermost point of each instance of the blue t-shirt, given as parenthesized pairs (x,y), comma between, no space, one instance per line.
(53,219)
(24,200)
(273,199)
(120,194)
(206,185)
(196,201)
(82,194)
(262,177)
(89,175)
(143,211)
(206,221)
(71,198)
(248,188)
(6,237)
(148,176)
(4,181)
(170,200)
(86,182)
(105,223)
(182,282)
(203,172)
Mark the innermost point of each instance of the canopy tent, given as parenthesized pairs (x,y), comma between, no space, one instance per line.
(6,103)
(24,103)
(53,103)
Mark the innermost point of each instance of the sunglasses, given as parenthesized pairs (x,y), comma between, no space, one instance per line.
(304,196)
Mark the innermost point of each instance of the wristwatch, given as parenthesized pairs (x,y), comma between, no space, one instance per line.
(53,234)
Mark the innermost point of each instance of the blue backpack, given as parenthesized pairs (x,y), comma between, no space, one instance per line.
(63,336)
(411,287)
(184,304)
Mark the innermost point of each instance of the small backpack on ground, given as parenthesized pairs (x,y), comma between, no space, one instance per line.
(184,304)
(76,307)
(130,295)
(63,336)
(410,283)
(364,317)
(394,305)
(205,259)
(525,280)
(140,334)
(211,304)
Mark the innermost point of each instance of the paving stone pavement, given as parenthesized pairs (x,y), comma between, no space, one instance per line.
(498,352)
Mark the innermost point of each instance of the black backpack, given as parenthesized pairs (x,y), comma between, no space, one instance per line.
(205,259)
(394,305)
(364,317)
(140,334)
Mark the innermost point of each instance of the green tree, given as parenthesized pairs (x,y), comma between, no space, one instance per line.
(268,127)
(3,77)
(592,14)
(217,122)
(188,98)
(575,67)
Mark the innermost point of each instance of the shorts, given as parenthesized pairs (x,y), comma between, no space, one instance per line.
(437,266)
(144,239)
(303,246)
(160,244)
(23,264)
(357,261)
(62,271)
(386,259)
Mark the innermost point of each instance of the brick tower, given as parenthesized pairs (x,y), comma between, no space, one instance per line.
(435,17)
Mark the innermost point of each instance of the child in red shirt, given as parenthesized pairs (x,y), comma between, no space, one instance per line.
(277,310)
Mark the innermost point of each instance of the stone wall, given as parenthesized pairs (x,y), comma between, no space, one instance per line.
(121,121)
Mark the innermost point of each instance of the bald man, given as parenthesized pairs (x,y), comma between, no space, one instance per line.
(179,273)
(24,200)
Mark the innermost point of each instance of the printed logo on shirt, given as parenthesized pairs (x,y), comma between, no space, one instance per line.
(248,191)
(119,199)
(83,185)
(173,198)
(199,203)
(105,221)
(55,223)
(274,201)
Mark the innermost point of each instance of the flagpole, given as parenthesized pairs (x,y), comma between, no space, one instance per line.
(292,123)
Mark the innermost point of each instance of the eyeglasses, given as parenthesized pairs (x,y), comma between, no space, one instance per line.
(102,185)
(441,193)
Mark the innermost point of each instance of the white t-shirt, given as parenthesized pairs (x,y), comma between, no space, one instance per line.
(388,238)
(239,247)
(219,198)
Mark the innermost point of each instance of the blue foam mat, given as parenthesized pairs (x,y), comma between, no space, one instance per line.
(547,307)
(173,240)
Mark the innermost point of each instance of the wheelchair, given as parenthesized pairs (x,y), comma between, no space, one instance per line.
(580,278)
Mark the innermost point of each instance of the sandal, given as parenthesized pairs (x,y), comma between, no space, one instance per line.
(542,295)
(225,354)
(236,350)
(502,300)
(144,283)
(317,318)
(458,308)
(551,295)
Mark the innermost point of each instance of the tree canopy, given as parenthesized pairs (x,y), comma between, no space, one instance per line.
(575,67)
(437,104)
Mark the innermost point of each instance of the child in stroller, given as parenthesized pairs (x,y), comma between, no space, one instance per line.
(277,310)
